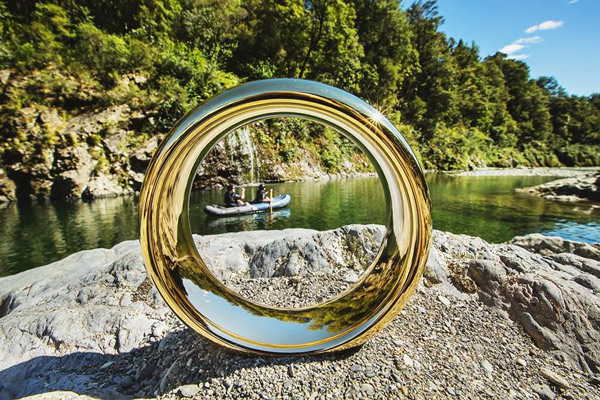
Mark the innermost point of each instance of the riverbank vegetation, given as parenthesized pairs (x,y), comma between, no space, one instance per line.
(60,59)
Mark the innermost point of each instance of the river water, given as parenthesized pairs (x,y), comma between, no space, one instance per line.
(38,233)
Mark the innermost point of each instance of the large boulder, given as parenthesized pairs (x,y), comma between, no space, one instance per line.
(554,297)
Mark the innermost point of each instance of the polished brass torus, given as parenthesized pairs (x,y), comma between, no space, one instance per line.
(222,315)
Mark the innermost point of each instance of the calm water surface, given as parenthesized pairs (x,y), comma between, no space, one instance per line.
(39,233)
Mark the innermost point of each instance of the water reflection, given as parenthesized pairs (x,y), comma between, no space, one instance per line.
(248,222)
(36,234)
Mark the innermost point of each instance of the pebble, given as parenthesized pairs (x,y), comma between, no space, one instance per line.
(397,378)
(145,372)
(543,391)
(444,300)
(158,329)
(290,371)
(487,366)
(355,368)
(555,378)
(189,390)
(368,389)
(126,382)
(106,365)
(522,362)
(407,361)
(288,384)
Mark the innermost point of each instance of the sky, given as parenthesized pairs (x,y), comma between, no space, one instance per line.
(559,38)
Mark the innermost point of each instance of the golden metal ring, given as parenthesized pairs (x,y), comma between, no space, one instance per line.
(222,315)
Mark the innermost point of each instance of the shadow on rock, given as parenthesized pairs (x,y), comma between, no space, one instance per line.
(181,358)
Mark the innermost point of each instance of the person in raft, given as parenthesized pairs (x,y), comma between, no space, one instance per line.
(261,195)
(232,199)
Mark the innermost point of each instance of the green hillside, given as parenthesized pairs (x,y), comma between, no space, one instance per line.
(88,87)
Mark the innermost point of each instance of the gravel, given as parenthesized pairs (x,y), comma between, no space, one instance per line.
(290,292)
(464,350)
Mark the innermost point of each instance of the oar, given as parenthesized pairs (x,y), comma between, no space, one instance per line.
(271,202)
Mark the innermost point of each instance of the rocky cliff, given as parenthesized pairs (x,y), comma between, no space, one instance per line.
(488,320)
(86,142)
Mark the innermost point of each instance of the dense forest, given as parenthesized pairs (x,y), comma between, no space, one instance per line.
(145,63)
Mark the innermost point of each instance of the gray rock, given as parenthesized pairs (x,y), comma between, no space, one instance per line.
(554,378)
(126,382)
(546,293)
(355,368)
(444,300)
(487,366)
(43,313)
(189,390)
(550,245)
(8,188)
(543,391)
(292,252)
(588,281)
(583,187)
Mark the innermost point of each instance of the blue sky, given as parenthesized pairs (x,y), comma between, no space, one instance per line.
(559,38)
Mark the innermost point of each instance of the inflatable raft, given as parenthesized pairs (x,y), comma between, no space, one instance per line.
(221,211)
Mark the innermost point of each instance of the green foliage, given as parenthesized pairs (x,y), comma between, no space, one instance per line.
(456,148)
(102,52)
(580,155)
(164,57)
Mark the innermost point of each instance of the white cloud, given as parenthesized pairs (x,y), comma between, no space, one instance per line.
(529,40)
(572,1)
(520,44)
(512,48)
(544,26)
(519,56)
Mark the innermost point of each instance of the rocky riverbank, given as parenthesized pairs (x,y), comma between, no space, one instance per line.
(578,188)
(488,321)
(526,171)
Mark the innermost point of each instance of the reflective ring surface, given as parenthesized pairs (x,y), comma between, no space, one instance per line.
(222,315)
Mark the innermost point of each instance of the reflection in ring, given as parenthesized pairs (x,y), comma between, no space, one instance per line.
(220,314)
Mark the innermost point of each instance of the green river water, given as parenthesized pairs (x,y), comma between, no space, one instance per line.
(35,234)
